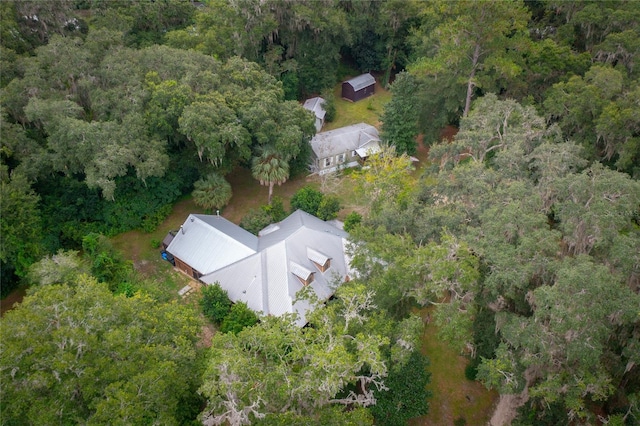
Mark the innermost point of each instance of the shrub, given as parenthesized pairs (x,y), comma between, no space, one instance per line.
(328,208)
(406,398)
(106,263)
(275,209)
(306,199)
(352,220)
(471,370)
(154,219)
(126,288)
(215,303)
(239,317)
(329,105)
(257,219)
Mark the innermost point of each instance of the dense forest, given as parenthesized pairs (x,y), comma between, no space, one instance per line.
(522,233)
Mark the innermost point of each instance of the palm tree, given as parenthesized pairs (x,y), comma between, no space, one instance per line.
(270,169)
(211,192)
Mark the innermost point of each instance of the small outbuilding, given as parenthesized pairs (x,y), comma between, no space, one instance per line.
(316,106)
(359,87)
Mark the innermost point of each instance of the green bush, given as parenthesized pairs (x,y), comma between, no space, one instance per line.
(328,208)
(239,317)
(215,303)
(471,370)
(257,219)
(314,202)
(307,199)
(352,220)
(107,264)
(126,288)
(275,209)
(151,221)
(329,106)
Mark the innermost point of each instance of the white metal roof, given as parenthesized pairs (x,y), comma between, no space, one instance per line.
(361,81)
(344,139)
(208,243)
(267,281)
(316,256)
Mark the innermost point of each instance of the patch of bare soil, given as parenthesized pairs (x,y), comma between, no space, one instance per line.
(448,133)
(12,299)
(206,335)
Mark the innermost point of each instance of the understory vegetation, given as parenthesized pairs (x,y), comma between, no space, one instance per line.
(520,235)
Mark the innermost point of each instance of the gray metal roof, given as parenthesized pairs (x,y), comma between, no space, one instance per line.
(208,243)
(231,229)
(315,105)
(267,281)
(361,81)
(349,138)
(316,256)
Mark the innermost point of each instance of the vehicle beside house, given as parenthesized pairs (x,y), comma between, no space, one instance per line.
(343,148)
(266,271)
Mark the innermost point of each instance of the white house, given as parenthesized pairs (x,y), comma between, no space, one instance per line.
(266,272)
(344,147)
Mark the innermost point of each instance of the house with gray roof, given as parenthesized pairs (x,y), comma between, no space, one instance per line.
(359,87)
(344,147)
(268,271)
(316,106)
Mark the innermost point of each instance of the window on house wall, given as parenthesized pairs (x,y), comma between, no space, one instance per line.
(353,153)
(341,158)
(328,161)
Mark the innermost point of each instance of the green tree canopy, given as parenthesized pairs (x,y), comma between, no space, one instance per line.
(80,353)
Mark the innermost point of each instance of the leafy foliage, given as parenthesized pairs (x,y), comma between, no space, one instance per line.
(215,303)
(20,224)
(352,220)
(314,202)
(400,117)
(276,364)
(131,359)
(240,316)
(212,192)
(257,219)
(307,199)
(407,396)
(107,265)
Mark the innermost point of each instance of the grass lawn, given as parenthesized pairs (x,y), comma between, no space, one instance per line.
(454,397)
(367,110)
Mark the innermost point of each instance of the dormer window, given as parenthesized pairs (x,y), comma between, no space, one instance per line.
(320,260)
(324,266)
(304,275)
